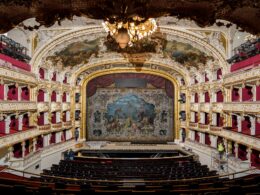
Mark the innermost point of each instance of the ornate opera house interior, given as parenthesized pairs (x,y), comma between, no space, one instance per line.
(130,96)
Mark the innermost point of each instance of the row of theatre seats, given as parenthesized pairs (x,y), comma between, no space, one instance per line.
(82,176)
(149,169)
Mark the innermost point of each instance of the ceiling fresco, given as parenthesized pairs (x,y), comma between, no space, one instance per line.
(81,51)
(243,13)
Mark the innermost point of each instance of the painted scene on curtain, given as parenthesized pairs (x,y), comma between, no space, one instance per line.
(130,115)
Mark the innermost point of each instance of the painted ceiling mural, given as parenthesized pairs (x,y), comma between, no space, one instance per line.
(81,51)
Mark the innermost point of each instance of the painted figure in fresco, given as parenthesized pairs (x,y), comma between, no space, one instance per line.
(97,117)
(164,116)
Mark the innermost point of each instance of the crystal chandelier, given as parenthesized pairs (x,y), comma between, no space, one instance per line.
(125,33)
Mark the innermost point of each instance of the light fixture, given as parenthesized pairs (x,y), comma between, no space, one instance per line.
(127,32)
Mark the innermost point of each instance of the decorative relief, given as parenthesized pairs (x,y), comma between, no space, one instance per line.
(14,106)
(17,75)
(55,106)
(67,124)
(56,126)
(66,106)
(248,107)
(194,107)
(18,137)
(217,107)
(239,77)
(44,127)
(43,106)
(205,107)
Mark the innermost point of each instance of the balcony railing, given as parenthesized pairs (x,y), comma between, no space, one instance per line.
(44,127)
(67,124)
(215,128)
(194,125)
(56,126)
(15,105)
(203,126)
(248,107)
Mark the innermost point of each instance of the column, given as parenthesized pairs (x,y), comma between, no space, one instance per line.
(58,117)
(213,141)
(6,88)
(248,155)
(192,116)
(254,92)
(252,128)
(214,119)
(214,96)
(20,122)
(58,137)
(201,97)
(58,97)
(19,91)
(45,140)
(68,97)
(192,135)
(202,117)
(7,124)
(240,94)
(46,118)
(46,96)
(34,144)
(236,150)
(23,149)
(239,123)
(68,116)
(202,138)
(11,152)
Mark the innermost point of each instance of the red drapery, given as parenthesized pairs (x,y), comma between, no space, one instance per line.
(16,63)
(106,80)
(248,63)
(220,96)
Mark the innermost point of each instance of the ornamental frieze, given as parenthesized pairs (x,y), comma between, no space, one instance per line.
(55,106)
(15,75)
(241,76)
(244,107)
(43,106)
(14,106)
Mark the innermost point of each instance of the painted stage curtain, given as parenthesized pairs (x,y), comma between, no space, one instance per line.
(107,80)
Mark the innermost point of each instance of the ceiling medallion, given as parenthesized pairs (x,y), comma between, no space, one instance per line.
(126,33)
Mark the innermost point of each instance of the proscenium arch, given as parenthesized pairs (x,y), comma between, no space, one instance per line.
(83,129)
(62,38)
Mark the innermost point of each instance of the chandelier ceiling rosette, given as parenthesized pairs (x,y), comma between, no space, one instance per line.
(127,32)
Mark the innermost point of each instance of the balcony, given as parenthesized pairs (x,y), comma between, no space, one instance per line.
(77,123)
(215,128)
(14,106)
(217,106)
(17,137)
(15,74)
(44,127)
(240,138)
(56,126)
(194,107)
(205,107)
(194,125)
(65,106)
(67,124)
(240,76)
(43,106)
(203,126)
(246,107)
(55,106)
(77,106)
